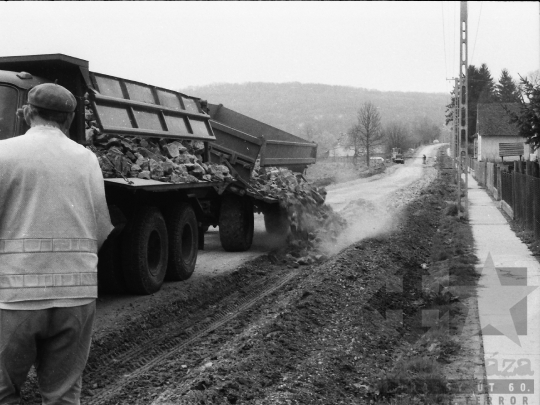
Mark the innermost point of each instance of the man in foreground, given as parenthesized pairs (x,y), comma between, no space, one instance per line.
(53,220)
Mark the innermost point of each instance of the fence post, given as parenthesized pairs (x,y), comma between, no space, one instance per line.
(515,190)
(498,183)
(528,200)
(535,173)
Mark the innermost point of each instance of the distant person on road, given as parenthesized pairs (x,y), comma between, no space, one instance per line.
(424,159)
(53,220)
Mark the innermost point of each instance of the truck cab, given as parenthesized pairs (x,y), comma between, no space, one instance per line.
(14,89)
(18,74)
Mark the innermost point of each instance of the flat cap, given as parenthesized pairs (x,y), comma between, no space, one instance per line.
(52,97)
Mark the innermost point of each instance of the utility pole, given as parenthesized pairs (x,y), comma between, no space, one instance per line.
(463,76)
(456,144)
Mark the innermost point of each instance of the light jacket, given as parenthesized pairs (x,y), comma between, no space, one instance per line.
(53,217)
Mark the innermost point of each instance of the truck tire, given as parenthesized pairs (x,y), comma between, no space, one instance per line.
(236,223)
(145,251)
(276,221)
(183,231)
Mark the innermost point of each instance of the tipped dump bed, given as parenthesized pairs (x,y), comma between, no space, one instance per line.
(279,148)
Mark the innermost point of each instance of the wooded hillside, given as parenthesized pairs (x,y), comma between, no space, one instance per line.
(321,112)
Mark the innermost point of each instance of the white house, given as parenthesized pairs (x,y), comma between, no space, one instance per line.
(497,139)
(343,152)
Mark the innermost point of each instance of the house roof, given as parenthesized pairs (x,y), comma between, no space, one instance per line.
(493,120)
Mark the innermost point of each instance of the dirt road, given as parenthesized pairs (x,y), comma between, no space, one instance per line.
(378,187)
(366,203)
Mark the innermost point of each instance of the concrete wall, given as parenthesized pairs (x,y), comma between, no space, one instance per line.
(488,148)
(490,176)
(484,173)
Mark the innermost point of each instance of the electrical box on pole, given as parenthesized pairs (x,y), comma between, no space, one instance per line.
(463,99)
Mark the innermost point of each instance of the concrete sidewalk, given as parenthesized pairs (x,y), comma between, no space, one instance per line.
(508,305)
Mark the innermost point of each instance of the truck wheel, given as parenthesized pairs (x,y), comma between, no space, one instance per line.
(236,223)
(183,230)
(144,251)
(276,221)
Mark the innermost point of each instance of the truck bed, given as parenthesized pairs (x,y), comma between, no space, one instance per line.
(241,134)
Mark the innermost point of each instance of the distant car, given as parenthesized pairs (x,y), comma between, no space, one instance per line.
(376,159)
(435,141)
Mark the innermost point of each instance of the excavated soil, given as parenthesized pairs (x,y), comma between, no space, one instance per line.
(274,332)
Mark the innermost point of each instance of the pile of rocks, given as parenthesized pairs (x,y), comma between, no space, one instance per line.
(174,162)
(312,221)
(157,159)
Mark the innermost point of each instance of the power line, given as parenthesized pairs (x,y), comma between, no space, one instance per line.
(454,56)
(444,41)
(477,27)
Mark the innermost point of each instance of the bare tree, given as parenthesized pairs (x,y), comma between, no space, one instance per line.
(533,77)
(366,133)
(396,135)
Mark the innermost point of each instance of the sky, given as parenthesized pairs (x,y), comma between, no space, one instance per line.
(388,46)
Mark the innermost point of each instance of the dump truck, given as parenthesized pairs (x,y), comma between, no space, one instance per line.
(159,226)
(397,156)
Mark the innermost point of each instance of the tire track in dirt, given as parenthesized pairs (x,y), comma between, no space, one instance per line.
(144,357)
(119,361)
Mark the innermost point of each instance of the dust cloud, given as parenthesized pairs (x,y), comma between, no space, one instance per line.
(373,206)
(364,219)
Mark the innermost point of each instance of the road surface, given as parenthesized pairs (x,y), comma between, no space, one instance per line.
(362,202)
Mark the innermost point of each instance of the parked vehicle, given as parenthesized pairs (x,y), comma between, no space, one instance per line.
(397,156)
(159,226)
(377,160)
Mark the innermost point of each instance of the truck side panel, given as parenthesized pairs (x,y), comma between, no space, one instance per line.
(280,148)
(131,108)
(237,147)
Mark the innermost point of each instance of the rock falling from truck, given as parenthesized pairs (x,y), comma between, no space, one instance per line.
(312,222)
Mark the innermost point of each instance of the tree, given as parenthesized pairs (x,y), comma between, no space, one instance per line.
(480,89)
(534,77)
(528,118)
(506,89)
(424,130)
(449,113)
(366,133)
(396,135)
(486,85)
